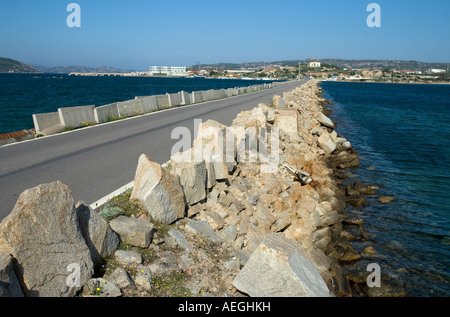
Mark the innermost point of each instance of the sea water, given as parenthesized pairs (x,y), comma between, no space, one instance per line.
(402,134)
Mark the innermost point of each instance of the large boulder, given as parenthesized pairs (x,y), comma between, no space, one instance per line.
(43,236)
(159,191)
(193,175)
(279,268)
(326,143)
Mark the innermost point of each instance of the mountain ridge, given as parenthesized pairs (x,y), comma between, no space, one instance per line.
(9,65)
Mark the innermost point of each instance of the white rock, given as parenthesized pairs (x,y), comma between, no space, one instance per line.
(326,143)
(323,119)
(192,175)
(159,191)
(279,268)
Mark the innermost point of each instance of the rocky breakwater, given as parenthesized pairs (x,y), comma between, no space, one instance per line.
(252,209)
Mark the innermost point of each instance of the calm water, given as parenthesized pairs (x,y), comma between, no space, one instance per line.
(22,95)
(402,133)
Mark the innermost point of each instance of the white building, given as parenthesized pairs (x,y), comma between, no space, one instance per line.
(437,71)
(168,71)
(314,64)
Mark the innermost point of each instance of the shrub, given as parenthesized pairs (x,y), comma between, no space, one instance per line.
(110,212)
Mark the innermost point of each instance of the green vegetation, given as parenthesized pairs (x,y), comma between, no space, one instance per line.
(170,285)
(110,212)
(67,129)
(123,203)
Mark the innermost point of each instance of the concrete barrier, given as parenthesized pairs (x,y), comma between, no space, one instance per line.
(185,98)
(76,116)
(220,94)
(174,99)
(43,121)
(162,101)
(129,108)
(148,104)
(242,90)
(230,92)
(106,113)
(211,94)
(197,96)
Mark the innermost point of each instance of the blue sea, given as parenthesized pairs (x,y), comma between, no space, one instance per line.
(402,134)
(22,95)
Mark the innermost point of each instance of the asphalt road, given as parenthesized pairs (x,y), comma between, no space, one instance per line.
(96,161)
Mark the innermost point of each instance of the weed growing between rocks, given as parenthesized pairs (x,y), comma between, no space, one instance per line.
(122,205)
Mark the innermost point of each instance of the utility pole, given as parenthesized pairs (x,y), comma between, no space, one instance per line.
(299,68)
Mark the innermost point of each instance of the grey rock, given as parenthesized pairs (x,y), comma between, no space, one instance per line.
(232,265)
(279,268)
(137,232)
(252,198)
(180,239)
(121,278)
(203,228)
(99,287)
(100,238)
(165,264)
(192,175)
(43,236)
(143,278)
(229,234)
(128,258)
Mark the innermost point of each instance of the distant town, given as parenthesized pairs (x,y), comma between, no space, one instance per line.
(316,69)
(322,69)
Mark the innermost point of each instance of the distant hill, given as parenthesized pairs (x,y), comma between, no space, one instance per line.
(8,65)
(342,63)
(79,69)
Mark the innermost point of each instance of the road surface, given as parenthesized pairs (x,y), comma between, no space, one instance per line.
(96,161)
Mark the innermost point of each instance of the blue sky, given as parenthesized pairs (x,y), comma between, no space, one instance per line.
(138,33)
